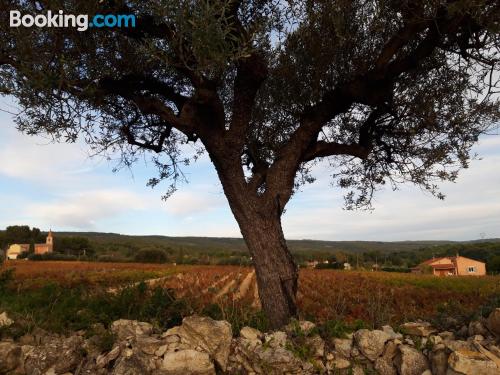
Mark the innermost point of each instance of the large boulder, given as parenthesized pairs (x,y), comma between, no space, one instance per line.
(206,335)
(60,355)
(271,357)
(124,328)
(472,363)
(423,329)
(10,357)
(371,343)
(410,361)
(493,322)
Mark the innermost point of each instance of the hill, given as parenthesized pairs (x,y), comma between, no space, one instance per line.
(237,244)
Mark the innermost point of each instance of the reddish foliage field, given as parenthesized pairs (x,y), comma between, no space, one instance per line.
(374,297)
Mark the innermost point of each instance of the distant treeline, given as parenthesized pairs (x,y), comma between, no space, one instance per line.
(388,256)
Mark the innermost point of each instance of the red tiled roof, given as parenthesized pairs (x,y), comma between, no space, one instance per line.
(429,261)
(443,266)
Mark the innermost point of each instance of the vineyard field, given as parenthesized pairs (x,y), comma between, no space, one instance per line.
(373,297)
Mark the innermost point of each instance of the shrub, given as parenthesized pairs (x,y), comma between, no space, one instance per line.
(6,276)
(151,256)
(51,256)
(72,309)
(110,258)
(23,255)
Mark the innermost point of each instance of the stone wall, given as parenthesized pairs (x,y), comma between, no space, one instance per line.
(204,346)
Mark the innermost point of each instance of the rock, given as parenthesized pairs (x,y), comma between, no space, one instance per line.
(384,366)
(434,340)
(494,349)
(409,341)
(316,345)
(390,331)
(124,328)
(302,326)
(306,326)
(148,345)
(423,329)
(447,335)
(493,322)
(205,334)
(269,358)
(358,370)
(62,354)
(454,345)
(70,355)
(472,363)
(10,357)
(477,328)
(340,363)
(251,334)
(276,339)
(371,343)
(104,359)
(476,338)
(187,362)
(439,362)
(343,346)
(133,362)
(390,350)
(409,361)
(5,321)
(282,361)
(462,332)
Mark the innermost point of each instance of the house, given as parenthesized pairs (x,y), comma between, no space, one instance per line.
(40,248)
(449,266)
(14,250)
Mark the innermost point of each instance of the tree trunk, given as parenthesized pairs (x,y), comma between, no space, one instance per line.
(259,219)
(277,273)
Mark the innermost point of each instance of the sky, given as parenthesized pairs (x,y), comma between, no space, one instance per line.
(58,186)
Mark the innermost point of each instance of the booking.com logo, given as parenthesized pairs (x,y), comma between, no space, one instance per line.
(80,21)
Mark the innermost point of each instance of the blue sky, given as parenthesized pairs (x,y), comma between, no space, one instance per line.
(58,186)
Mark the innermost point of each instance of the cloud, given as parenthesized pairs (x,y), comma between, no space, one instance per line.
(471,207)
(193,202)
(37,159)
(83,210)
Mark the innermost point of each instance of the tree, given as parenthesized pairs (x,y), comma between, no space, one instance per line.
(494,265)
(73,246)
(22,234)
(386,91)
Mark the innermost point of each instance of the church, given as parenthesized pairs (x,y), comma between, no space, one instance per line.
(40,248)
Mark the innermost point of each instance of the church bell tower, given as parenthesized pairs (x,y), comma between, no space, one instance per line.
(50,241)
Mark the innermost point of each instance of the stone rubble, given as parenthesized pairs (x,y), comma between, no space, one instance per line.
(203,346)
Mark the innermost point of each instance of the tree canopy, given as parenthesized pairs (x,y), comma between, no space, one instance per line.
(389,91)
